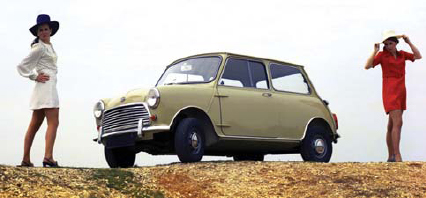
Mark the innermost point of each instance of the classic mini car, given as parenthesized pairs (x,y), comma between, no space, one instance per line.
(221,104)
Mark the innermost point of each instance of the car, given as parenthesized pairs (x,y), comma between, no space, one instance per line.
(219,104)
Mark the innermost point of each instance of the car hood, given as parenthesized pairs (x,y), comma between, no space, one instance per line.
(133,96)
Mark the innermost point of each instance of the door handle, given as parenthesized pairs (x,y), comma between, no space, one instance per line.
(267,94)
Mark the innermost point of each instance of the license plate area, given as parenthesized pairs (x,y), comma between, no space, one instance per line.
(122,140)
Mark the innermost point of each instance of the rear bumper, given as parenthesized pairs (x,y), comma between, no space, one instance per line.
(336,136)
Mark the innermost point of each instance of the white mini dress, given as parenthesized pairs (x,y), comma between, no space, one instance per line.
(42,59)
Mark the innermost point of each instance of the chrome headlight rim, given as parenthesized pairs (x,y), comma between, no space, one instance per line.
(98,109)
(153,98)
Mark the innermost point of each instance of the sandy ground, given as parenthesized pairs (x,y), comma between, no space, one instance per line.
(221,179)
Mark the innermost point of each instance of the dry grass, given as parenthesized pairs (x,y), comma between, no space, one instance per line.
(221,179)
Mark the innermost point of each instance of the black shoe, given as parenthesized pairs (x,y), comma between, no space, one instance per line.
(26,164)
(392,159)
(50,163)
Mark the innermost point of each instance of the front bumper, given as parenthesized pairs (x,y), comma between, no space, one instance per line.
(140,133)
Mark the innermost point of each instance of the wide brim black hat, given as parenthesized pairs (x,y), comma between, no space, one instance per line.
(45,19)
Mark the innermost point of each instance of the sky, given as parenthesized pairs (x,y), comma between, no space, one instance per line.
(106,48)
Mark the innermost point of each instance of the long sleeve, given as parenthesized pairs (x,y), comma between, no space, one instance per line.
(27,66)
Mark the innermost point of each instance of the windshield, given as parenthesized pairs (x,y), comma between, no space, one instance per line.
(195,70)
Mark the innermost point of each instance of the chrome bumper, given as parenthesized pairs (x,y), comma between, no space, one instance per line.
(140,131)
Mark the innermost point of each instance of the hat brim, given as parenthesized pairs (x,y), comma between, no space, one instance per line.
(386,38)
(52,24)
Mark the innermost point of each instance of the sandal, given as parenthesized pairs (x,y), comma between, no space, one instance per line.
(50,163)
(26,164)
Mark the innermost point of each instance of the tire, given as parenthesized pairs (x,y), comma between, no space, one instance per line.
(252,157)
(123,157)
(316,146)
(189,140)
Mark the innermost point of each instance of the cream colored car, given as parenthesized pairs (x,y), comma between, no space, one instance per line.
(219,104)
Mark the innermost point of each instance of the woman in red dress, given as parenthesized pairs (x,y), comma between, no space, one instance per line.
(394,92)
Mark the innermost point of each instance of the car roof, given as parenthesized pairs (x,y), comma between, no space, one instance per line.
(237,55)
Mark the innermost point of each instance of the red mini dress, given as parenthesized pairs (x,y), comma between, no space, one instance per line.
(393,71)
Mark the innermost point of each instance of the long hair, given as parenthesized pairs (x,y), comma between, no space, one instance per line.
(35,41)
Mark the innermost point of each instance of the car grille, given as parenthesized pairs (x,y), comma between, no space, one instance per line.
(125,118)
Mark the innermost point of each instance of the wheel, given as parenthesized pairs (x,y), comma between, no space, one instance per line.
(189,140)
(248,157)
(123,157)
(316,146)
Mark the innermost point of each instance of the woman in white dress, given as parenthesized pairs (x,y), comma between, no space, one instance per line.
(40,66)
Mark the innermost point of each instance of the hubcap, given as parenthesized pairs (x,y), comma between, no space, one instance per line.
(319,146)
(194,140)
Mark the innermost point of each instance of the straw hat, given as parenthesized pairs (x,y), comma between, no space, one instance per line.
(390,33)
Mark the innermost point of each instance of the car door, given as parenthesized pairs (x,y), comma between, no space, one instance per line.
(295,105)
(245,99)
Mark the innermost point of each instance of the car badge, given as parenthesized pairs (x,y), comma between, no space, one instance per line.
(122,99)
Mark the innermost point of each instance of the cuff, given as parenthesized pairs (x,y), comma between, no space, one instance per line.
(33,77)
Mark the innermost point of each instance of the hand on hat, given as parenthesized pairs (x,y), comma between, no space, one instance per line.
(376,47)
(42,78)
(406,39)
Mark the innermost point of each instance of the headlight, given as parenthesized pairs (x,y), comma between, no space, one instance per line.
(98,110)
(153,98)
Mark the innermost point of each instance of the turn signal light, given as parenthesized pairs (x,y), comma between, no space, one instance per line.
(153,117)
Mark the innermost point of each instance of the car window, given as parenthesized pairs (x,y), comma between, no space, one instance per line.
(258,73)
(288,78)
(194,70)
(244,73)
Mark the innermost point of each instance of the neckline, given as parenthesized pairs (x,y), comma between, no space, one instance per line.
(45,43)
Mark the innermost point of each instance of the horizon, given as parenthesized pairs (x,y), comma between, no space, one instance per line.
(105,52)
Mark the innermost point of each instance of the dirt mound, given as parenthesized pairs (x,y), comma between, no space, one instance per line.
(221,179)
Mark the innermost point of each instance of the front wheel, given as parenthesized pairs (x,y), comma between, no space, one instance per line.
(122,157)
(316,146)
(189,140)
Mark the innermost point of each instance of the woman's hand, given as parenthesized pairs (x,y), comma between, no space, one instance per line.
(406,39)
(416,52)
(376,47)
(369,63)
(42,78)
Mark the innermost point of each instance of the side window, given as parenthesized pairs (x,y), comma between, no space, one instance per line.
(243,73)
(288,78)
(258,74)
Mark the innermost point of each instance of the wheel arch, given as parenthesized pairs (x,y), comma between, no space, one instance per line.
(317,121)
(198,113)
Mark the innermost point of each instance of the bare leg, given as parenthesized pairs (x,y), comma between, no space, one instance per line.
(396,116)
(389,139)
(52,116)
(35,123)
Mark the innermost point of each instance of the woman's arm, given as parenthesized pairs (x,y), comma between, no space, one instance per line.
(370,60)
(27,66)
(416,52)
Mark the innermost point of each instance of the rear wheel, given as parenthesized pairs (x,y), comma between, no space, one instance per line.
(189,140)
(122,157)
(316,146)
